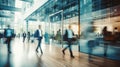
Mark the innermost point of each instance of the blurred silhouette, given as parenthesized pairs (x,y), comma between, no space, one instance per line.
(46,36)
(28,36)
(91,44)
(38,34)
(69,36)
(8,34)
(105,39)
(24,36)
(58,36)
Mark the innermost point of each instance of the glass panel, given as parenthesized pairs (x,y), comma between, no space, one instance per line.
(95,15)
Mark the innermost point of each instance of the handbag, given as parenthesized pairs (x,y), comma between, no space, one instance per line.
(74,39)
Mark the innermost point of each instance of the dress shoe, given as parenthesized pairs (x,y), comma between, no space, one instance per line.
(72,57)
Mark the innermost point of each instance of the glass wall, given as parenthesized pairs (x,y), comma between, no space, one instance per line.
(95,15)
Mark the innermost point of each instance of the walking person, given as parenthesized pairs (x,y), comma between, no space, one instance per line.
(58,36)
(105,39)
(38,34)
(46,36)
(28,36)
(8,34)
(69,36)
(24,36)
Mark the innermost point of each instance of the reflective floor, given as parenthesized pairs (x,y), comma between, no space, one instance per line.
(24,55)
(98,50)
(113,50)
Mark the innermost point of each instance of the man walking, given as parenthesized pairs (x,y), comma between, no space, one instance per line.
(69,36)
(38,34)
(8,34)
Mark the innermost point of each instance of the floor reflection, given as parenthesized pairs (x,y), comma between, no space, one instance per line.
(40,62)
(8,63)
(24,55)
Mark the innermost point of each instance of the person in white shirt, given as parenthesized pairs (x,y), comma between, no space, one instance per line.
(69,35)
(38,34)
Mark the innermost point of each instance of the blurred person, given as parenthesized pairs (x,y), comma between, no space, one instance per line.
(39,35)
(28,36)
(105,33)
(8,34)
(46,36)
(58,36)
(69,34)
(24,36)
(91,44)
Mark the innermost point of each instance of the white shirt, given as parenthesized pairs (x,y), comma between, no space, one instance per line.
(70,33)
(40,32)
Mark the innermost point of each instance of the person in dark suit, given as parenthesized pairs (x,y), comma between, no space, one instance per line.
(69,36)
(8,34)
(28,36)
(38,34)
(24,36)
(106,34)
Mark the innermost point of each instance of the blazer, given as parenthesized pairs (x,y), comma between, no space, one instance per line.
(65,36)
(36,34)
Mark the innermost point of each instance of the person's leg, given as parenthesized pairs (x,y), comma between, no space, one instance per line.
(65,49)
(70,50)
(9,46)
(37,46)
(40,47)
(41,50)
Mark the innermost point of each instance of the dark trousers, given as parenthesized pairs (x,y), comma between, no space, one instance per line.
(39,45)
(69,46)
(24,39)
(9,43)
